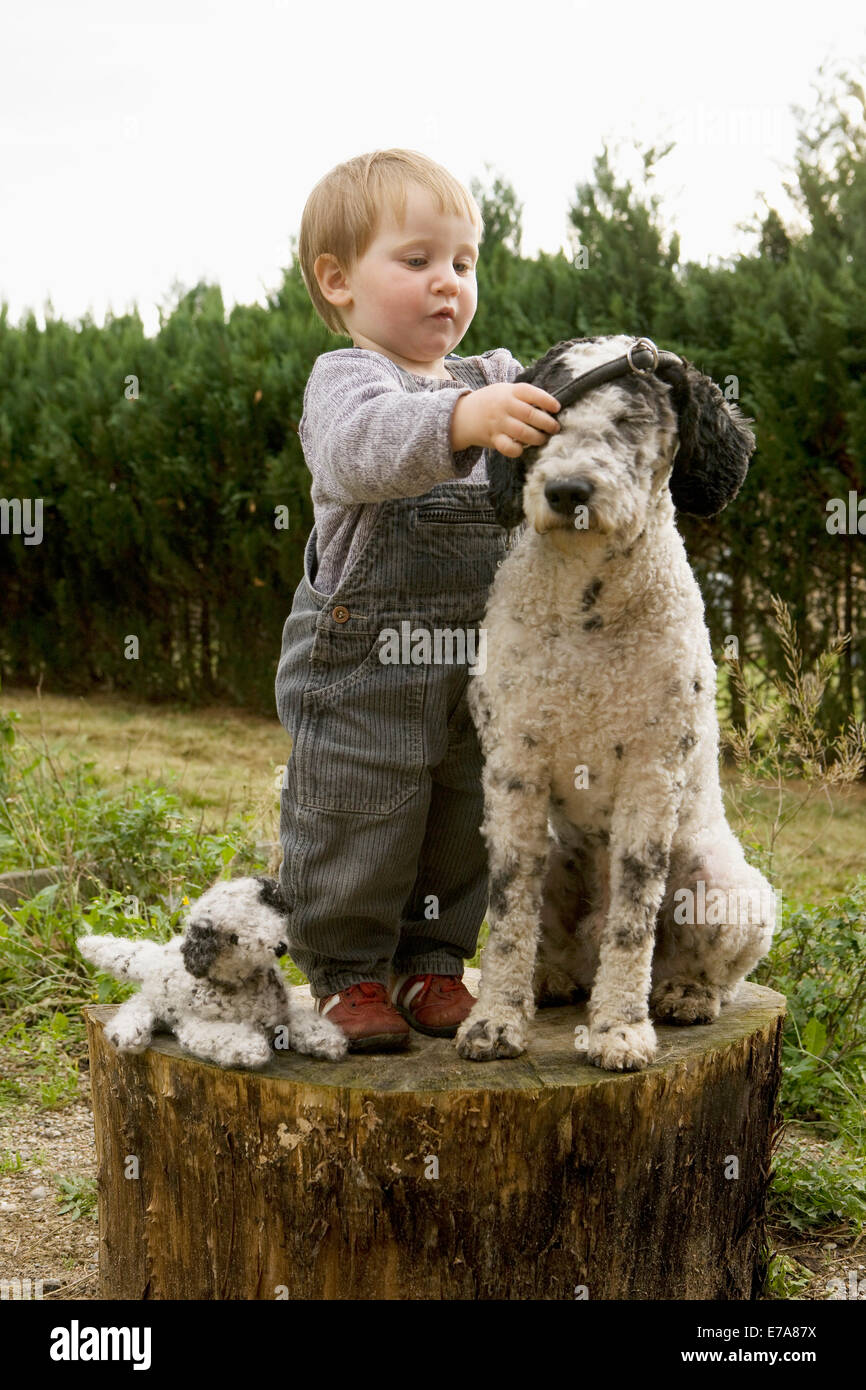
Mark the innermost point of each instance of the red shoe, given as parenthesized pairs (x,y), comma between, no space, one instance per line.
(365,1015)
(432,1004)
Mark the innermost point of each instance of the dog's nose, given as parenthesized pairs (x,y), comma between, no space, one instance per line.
(564,494)
(281,949)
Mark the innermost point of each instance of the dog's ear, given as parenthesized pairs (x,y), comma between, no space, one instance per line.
(505,479)
(271,894)
(506,476)
(715,442)
(200,947)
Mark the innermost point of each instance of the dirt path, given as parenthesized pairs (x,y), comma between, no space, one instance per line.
(37,1239)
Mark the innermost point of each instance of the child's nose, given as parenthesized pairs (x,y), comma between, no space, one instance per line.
(446,275)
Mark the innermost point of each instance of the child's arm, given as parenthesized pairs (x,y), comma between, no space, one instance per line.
(366,439)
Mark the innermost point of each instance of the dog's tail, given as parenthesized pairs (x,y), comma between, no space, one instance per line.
(120,957)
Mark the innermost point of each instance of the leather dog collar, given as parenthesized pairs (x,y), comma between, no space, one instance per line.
(642,358)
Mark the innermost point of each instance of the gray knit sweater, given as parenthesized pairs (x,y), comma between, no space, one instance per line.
(368,436)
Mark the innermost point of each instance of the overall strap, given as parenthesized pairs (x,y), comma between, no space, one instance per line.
(461,368)
(466,371)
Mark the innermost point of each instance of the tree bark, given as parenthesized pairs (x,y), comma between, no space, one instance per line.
(419,1175)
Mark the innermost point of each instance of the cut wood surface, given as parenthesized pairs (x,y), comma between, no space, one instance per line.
(422,1175)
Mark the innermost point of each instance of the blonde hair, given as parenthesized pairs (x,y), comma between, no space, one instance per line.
(342,213)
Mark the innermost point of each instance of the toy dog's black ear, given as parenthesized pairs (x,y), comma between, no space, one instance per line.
(505,479)
(271,894)
(715,442)
(200,947)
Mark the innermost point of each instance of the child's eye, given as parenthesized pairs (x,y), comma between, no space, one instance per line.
(412,260)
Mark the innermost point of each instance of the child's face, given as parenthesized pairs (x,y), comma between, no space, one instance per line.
(393,297)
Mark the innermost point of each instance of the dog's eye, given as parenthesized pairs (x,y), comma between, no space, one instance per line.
(233,939)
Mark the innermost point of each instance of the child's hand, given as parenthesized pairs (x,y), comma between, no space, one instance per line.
(508,417)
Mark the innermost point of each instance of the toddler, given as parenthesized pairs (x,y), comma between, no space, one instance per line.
(384,866)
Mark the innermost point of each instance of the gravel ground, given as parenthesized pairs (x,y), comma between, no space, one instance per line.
(38,1241)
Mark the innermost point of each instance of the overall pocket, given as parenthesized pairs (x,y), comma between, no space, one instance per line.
(450,514)
(360,745)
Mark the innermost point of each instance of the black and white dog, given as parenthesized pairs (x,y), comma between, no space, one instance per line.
(613,868)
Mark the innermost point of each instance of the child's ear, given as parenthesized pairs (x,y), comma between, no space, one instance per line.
(715,442)
(505,479)
(332,279)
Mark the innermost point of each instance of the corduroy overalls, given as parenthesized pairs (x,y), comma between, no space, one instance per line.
(381,801)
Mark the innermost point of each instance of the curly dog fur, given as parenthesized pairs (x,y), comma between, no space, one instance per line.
(613,868)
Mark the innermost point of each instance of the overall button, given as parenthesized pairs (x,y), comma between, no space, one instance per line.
(340,614)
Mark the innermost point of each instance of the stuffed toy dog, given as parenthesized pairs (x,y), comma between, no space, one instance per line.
(217,986)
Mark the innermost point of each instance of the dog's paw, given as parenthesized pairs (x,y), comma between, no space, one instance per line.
(622,1046)
(686,1002)
(483,1039)
(130,1030)
(252,1052)
(134,1040)
(318,1037)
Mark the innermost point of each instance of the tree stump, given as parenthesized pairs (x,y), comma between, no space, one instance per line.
(419,1175)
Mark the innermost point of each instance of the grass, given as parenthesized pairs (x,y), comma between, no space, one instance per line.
(823,848)
(221,764)
(786,1279)
(77,1197)
(195,756)
(825,1193)
(45,1057)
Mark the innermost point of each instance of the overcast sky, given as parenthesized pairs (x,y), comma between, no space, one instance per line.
(178,140)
